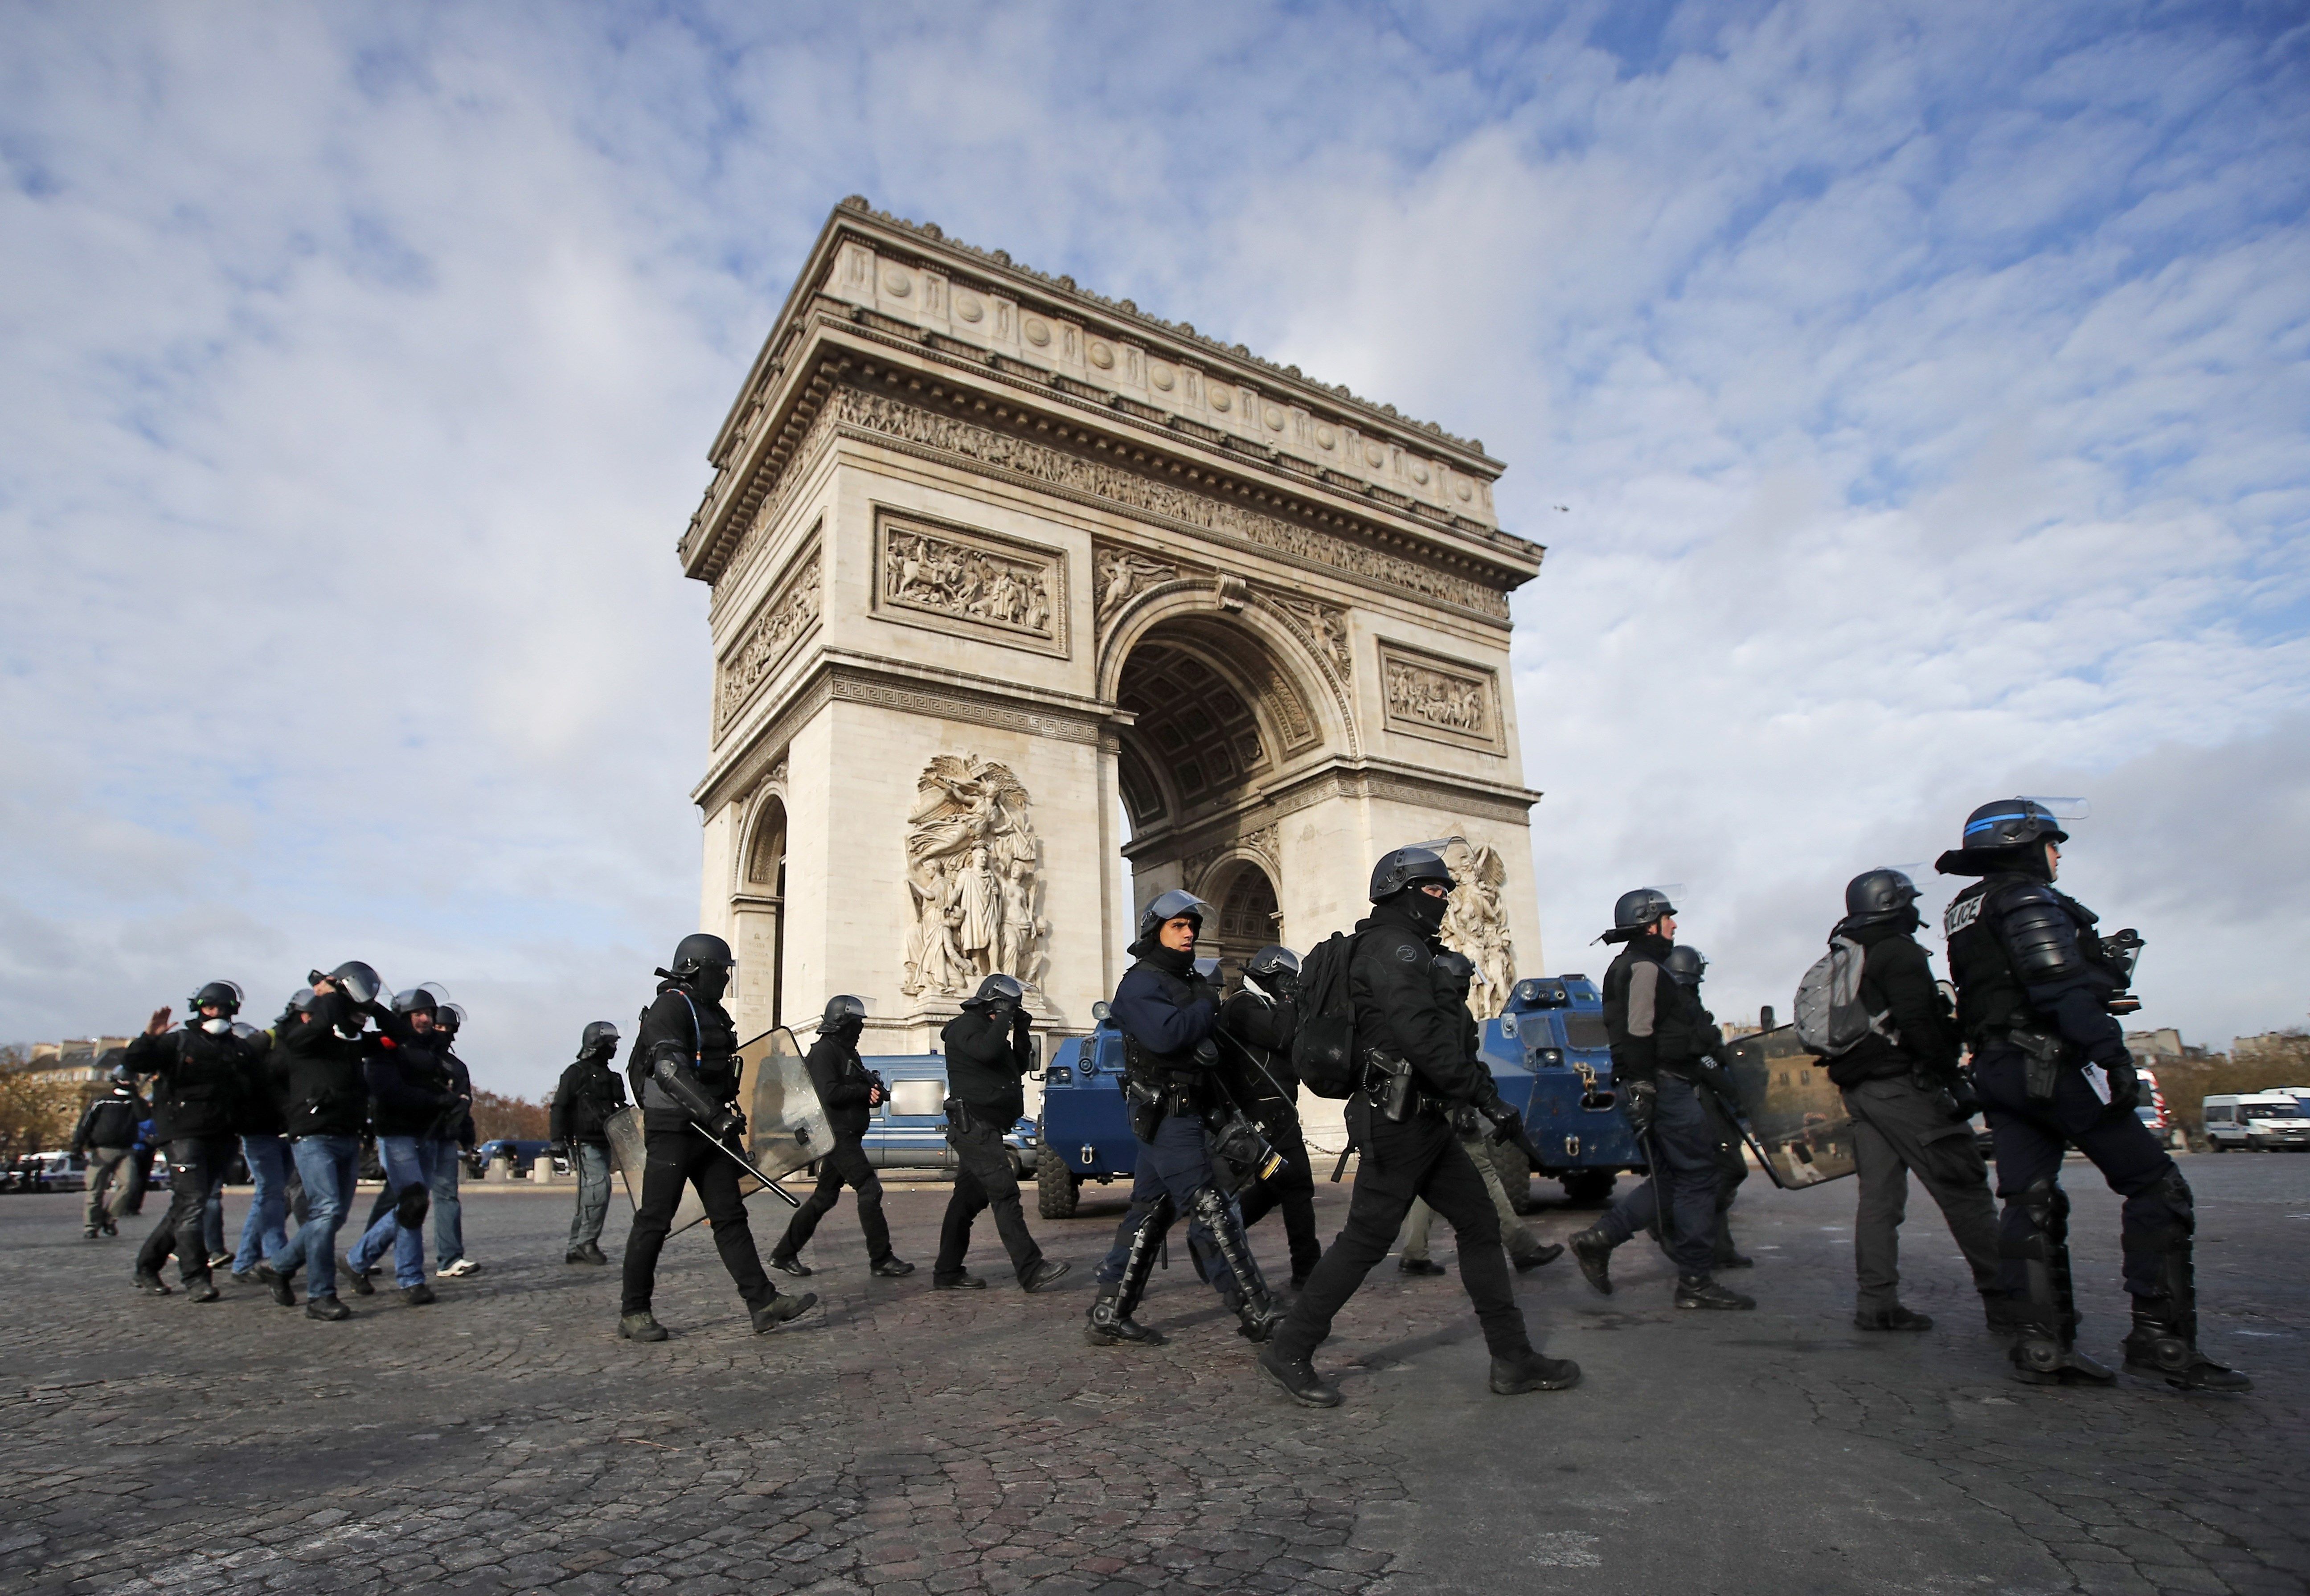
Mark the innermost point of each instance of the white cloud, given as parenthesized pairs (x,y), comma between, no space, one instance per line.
(1928,388)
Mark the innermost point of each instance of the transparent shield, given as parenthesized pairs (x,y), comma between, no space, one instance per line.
(786,1124)
(2063,809)
(1794,1109)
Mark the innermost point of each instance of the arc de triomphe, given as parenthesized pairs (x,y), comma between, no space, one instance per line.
(1013,582)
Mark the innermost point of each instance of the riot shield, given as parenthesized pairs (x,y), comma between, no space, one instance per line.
(786,1124)
(1795,1112)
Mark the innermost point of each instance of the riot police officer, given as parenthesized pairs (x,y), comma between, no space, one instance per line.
(1687,966)
(848,1092)
(1167,1011)
(1409,1044)
(986,1058)
(1259,1022)
(1655,1029)
(204,1069)
(684,1071)
(2034,984)
(1912,1110)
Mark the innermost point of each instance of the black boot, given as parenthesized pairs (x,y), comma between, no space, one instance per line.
(1699,1291)
(327,1307)
(152,1285)
(640,1327)
(1529,1371)
(2156,1350)
(2163,1340)
(1593,1253)
(892,1267)
(1108,1323)
(1896,1317)
(792,1266)
(1299,1378)
(1418,1266)
(1538,1257)
(2045,1343)
(779,1310)
(278,1284)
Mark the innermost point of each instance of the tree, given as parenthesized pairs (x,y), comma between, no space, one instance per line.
(514,1119)
(35,1115)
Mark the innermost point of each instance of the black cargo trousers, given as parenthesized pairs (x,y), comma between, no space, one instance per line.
(847,1166)
(1292,1189)
(1421,1158)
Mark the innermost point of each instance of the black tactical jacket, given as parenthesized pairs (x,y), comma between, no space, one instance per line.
(699,1026)
(1896,979)
(203,1078)
(589,1093)
(1264,1028)
(843,1086)
(323,1089)
(1401,1009)
(1987,924)
(408,1085)
(1654,1022)
(986,1060)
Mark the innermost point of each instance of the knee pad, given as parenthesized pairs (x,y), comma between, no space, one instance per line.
(409,1209)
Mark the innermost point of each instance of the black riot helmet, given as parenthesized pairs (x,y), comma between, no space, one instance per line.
(1685,966)
(1636,912)
(1458,969)
(449,1018)
(122,1075)
(1404,868)
(700,950)
(842,1009)
(1273,969)
(223,995)
(300,1001)
(415,1000)
(997,992)
(358,980)
(1172,906)
(2009,834)
(1880,896)
(599,1036)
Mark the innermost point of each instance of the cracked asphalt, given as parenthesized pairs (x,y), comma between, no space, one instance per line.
(901,1441)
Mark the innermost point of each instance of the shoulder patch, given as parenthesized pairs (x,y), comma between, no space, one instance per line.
(1408,953)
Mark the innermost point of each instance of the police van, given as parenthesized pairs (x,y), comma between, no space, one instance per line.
(2256,1122)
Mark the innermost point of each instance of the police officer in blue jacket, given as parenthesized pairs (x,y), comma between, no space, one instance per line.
(1167,1011)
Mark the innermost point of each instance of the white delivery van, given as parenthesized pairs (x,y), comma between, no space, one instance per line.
(2256,1122)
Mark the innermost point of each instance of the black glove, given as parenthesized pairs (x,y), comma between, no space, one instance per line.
(1964,1099)
(1508,1125)
(1638,1098)
(729,1125)
(2125,1086)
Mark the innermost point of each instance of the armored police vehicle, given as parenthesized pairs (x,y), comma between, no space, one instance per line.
(1084,1131)
(1553,1064)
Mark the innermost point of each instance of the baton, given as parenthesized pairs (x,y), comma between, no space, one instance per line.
(747,1165)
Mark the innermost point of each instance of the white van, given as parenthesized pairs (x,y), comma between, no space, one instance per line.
(2257,1121)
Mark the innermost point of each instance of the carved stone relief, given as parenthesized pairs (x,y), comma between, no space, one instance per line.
(1123,575)
(1012,591)
(1323,628)
(782,622)
(1476,925)
(1430,697)
(974,872)
(893,418)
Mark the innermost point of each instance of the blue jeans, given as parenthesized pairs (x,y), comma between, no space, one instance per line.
(408,1162)
(448,1210)
(264,1232)
(1177,1163)
(327,1165)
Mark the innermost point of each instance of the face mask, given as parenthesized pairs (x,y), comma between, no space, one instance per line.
(216,1028)
(1428,910)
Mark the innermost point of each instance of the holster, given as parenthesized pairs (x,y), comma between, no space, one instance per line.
(959,1115)
(2043,1056)
(1389,1080)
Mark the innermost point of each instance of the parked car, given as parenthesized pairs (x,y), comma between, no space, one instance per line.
(2256,1122)
(523,1151)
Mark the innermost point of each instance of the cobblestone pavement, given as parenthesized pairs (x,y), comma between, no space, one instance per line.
(901,1441)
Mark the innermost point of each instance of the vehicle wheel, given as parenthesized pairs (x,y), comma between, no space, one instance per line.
(1514,1171)
(1055,1185)
(1588,1188)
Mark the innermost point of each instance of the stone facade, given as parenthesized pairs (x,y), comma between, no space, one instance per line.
(1012,582)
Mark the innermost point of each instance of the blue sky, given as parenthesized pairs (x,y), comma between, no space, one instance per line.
(1927,387)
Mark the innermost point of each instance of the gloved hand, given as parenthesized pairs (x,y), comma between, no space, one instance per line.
(729,1125)
(1638,1099)
(1508,1125)
(1020,1022)
(2125,1086)
(1967,1100)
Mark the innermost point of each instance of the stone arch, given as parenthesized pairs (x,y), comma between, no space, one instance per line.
(1248,914)
(758,915)
(1314,685)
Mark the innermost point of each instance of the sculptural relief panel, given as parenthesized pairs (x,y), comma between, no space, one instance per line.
(1475,924)
(1442,699)
(1122,575)
(765,642)
(974,874)
(956,579)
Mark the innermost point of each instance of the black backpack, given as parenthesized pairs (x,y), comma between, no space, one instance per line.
(1324,1049)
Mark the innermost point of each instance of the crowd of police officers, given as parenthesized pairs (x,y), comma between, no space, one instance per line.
(1212,1085)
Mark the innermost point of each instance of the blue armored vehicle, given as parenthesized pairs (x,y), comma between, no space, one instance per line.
(1084,1130)
(1553,1063)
